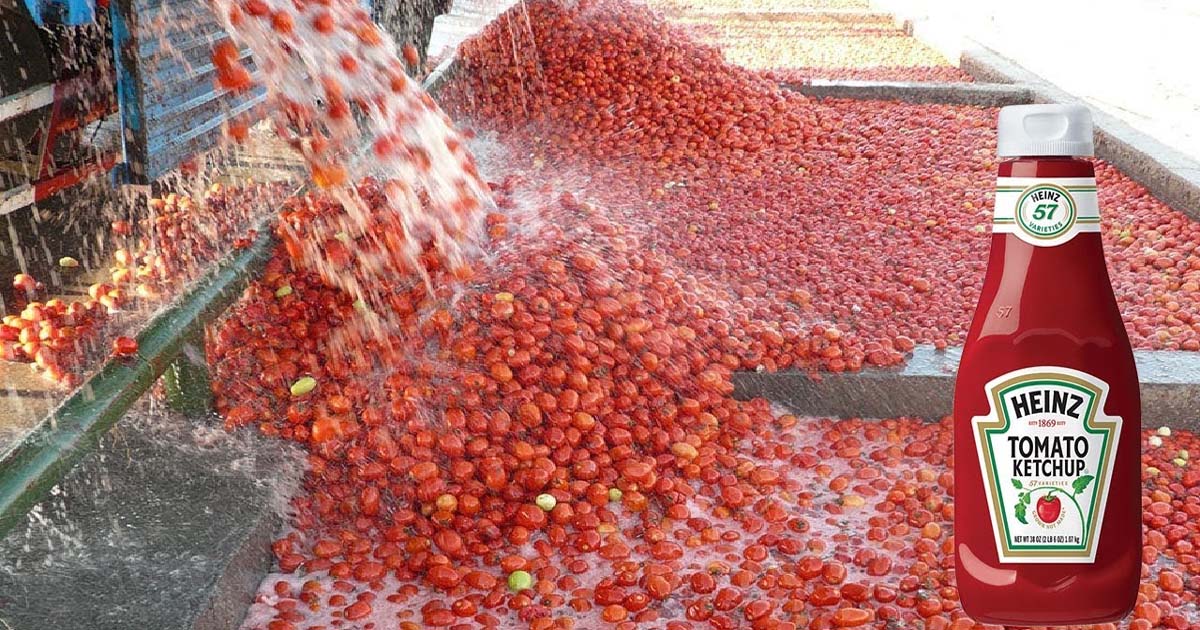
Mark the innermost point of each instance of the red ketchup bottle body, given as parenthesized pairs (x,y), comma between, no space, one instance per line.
(1047,416)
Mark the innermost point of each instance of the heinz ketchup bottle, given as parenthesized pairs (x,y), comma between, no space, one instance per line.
(1047,416)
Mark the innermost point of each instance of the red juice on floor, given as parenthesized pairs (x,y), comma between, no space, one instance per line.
(1047,410)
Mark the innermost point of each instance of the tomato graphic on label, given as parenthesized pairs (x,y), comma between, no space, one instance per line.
(1048,508)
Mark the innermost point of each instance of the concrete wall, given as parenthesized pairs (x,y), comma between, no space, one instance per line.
(1134,59)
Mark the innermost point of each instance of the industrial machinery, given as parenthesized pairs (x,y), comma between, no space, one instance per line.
(89,87)
(57,90)
(123,90)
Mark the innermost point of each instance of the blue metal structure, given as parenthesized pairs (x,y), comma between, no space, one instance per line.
(170,106)
(64,12)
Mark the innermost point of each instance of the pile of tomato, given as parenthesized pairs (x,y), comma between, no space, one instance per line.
(868,217)
(796,43)
(348,108)
(165,243)
(547,437)
(796,47)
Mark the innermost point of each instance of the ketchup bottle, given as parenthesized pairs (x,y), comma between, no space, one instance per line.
(1047,415)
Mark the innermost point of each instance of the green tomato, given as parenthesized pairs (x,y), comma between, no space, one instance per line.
(615,494)
(546,502)
(520,581)
(283,291)
(304,385)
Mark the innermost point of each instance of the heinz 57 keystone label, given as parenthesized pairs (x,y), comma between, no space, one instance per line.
(1046,450)
(1046,211)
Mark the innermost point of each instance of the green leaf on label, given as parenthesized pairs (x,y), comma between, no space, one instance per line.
(1019,511)
(1025,498)
(1017,484)
(1081,483)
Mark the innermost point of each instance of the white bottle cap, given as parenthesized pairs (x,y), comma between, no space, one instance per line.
(1045,130)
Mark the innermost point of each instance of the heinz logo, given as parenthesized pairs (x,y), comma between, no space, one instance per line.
(1038,401)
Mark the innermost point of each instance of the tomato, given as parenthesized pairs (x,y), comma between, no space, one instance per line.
(124,347)
(546,386)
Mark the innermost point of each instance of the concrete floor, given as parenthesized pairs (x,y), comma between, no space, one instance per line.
(465,18)
(166,526)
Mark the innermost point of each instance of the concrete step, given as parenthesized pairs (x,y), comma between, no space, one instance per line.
(924,387)
(814,13)
(978,94)
(1168,173)
(848,17)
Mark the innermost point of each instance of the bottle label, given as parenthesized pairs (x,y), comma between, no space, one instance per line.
(1046,211)
(1046,451)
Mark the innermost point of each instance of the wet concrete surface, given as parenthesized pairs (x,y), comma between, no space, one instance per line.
(978,94)
(166,527)
(924,387)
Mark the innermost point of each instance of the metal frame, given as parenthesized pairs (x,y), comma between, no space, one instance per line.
(129,97)
(66,12)
(26,101)
(47,179)
(166,126)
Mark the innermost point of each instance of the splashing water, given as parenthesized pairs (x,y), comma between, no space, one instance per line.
(343,101)
(583,362)
(570,363)
(577,363)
